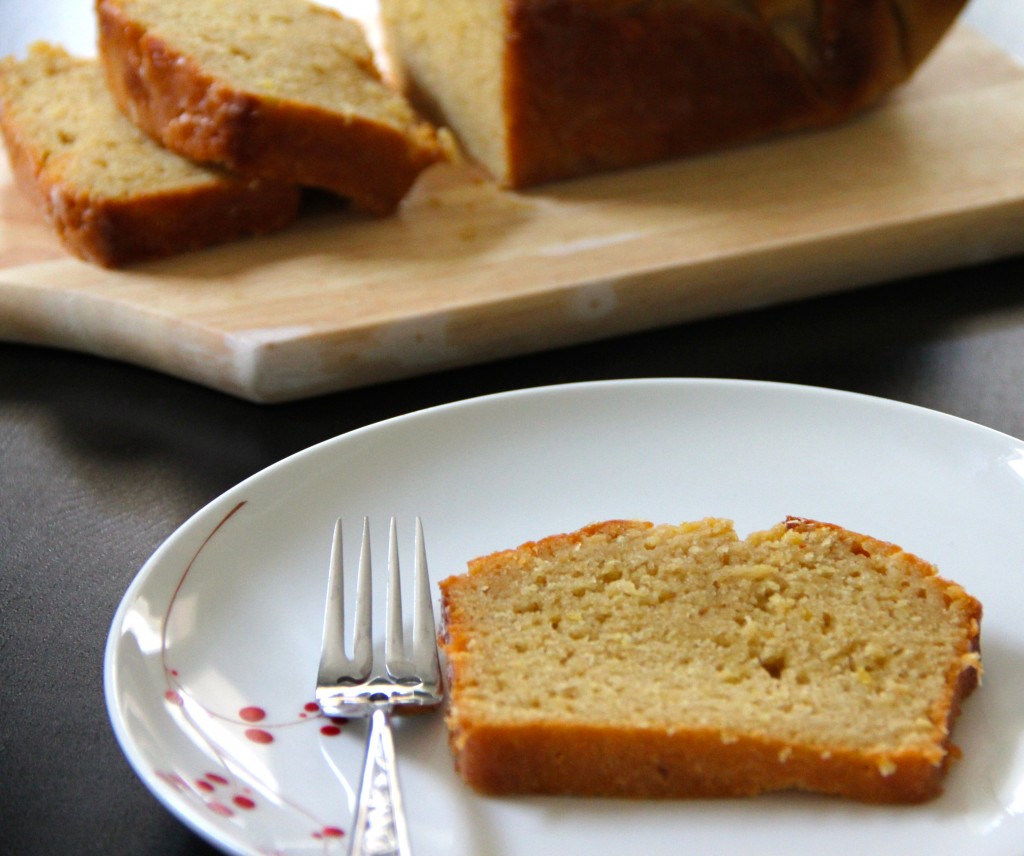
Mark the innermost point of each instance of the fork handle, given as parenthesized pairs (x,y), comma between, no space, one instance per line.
(379,827)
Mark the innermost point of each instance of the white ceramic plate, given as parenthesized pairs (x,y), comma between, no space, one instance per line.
(212,654)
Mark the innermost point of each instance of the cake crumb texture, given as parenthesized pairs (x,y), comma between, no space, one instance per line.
(284,89)
(629,659)
(114,195)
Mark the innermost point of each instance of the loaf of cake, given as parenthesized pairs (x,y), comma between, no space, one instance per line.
(112,194)
(634,660)
(538,90)
(284,89)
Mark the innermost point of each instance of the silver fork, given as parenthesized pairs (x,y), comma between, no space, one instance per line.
(349,687)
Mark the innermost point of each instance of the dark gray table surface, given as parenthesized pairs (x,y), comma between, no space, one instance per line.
(100,462)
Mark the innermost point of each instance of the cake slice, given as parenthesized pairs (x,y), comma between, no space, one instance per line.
(538,90)
(634,660)
(113,195)
(284,89)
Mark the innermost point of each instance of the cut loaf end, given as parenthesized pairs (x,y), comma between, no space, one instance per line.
(542,91)
(628,659)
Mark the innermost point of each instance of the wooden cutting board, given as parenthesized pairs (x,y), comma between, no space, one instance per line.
(466,273)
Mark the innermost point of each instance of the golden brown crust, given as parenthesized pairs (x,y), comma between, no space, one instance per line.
(178,102)
(592,85)
(118,232)
(149,224)
(594,759)
(620,762)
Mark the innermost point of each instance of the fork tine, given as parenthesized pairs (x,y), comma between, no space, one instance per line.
(424,649)
(394,642)
(333,661)
(362,644)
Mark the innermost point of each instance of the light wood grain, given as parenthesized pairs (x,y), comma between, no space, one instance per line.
(465,272)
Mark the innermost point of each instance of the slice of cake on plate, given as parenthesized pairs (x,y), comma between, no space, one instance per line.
(628,659)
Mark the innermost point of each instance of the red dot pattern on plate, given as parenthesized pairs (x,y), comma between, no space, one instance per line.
(206,787)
